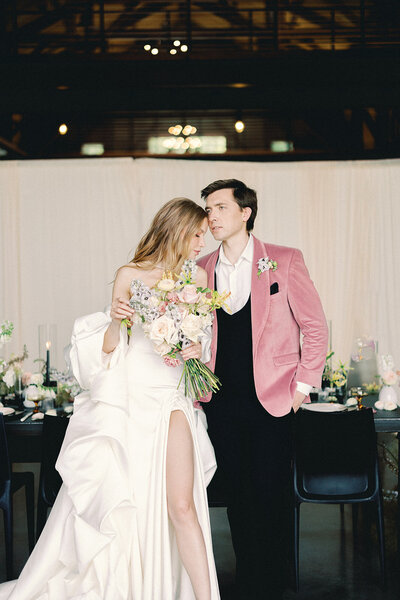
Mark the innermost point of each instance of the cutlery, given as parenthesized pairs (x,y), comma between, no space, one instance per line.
(29,414)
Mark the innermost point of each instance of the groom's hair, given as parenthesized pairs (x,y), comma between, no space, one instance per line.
(243,195)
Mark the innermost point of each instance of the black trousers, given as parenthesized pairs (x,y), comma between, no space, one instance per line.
(254,451)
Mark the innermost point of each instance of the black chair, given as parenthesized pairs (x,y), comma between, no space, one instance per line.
(54,429)
(10,483)
(336,462)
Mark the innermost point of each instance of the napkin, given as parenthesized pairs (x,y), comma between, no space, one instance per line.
(385,405)
(29,404)
(37,416)
(351,402)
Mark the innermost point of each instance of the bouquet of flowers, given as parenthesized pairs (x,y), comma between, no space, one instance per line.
(387,372)
(335,377)
(174,314)
(11,372)
(6,329)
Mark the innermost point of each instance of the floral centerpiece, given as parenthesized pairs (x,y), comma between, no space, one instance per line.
(174,314)
(11,373)
(335,378)
(388,399)
(6,329)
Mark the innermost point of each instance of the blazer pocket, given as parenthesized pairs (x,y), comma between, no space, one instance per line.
(286,359)
(274,288)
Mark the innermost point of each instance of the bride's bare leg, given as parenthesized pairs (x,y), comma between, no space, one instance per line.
(181,508)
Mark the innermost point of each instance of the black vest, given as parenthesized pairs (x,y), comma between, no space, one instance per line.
(234,360)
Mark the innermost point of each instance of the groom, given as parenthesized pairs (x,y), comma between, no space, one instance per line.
(265,376)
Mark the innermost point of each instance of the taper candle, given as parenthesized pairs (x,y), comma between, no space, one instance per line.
(47,380)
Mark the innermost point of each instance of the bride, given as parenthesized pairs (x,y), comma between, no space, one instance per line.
(131,519)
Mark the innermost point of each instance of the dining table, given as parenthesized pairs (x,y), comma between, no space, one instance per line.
(387,421)
(25,438)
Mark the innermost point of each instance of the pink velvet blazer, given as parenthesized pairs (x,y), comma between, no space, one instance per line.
(277,319)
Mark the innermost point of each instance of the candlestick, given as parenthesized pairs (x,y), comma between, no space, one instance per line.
(47,380)
(47,340)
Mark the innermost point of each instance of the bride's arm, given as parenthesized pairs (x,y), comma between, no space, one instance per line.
(120,308)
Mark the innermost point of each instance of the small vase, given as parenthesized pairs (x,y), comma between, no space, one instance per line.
(388,393)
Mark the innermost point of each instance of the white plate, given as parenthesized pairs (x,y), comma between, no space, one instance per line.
(324,406)
(7,410)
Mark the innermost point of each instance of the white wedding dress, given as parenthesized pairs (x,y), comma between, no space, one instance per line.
(108,536)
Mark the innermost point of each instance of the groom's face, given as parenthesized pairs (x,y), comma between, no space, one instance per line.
(225,217)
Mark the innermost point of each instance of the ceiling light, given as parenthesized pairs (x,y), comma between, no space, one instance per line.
(92,149)
(184,48)
(239,126)
(147,47)
(62,130)
(281,146)
(177,43)
(172,51)
(154,51)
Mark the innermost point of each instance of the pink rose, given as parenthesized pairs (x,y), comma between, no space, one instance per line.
(173,297)
(162,307)
(189,294)
(26,378)
(389,377)
(171,362)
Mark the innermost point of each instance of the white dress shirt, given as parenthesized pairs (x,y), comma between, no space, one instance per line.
(237,280)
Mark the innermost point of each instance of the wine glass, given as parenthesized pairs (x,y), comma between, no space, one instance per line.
(358,393)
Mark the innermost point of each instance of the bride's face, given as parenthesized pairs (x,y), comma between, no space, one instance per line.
(197,241)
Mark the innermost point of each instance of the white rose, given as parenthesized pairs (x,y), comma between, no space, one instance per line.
(191,326)
(36,379)
(9,378)
(163,330)
(166,285)
(162,348)
(33,392)
(154,301)
(207,320)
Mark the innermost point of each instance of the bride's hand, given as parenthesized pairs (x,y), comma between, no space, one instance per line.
(192,351)
(120,309)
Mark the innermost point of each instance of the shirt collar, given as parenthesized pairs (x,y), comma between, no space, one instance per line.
(247,253)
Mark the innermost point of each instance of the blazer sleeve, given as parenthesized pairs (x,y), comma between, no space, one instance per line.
(308,312)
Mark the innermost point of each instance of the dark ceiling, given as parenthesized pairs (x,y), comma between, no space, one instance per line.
(323,75)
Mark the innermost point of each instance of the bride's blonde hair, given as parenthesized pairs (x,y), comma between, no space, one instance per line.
(167,241)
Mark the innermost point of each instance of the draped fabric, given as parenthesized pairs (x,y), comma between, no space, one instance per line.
(67,225)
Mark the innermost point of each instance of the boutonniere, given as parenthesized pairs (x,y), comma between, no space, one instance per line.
(265,264)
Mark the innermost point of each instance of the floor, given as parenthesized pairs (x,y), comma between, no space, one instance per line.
(331,566)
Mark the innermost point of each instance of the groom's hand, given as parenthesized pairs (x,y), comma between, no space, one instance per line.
(298,400)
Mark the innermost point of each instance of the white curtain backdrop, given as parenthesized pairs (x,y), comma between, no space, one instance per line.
(67,225)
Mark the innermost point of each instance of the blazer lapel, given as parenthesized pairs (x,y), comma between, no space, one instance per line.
(210,270)
(260,296)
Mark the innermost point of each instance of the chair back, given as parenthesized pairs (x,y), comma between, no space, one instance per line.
(54,429)
(5,467)
(335,455)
